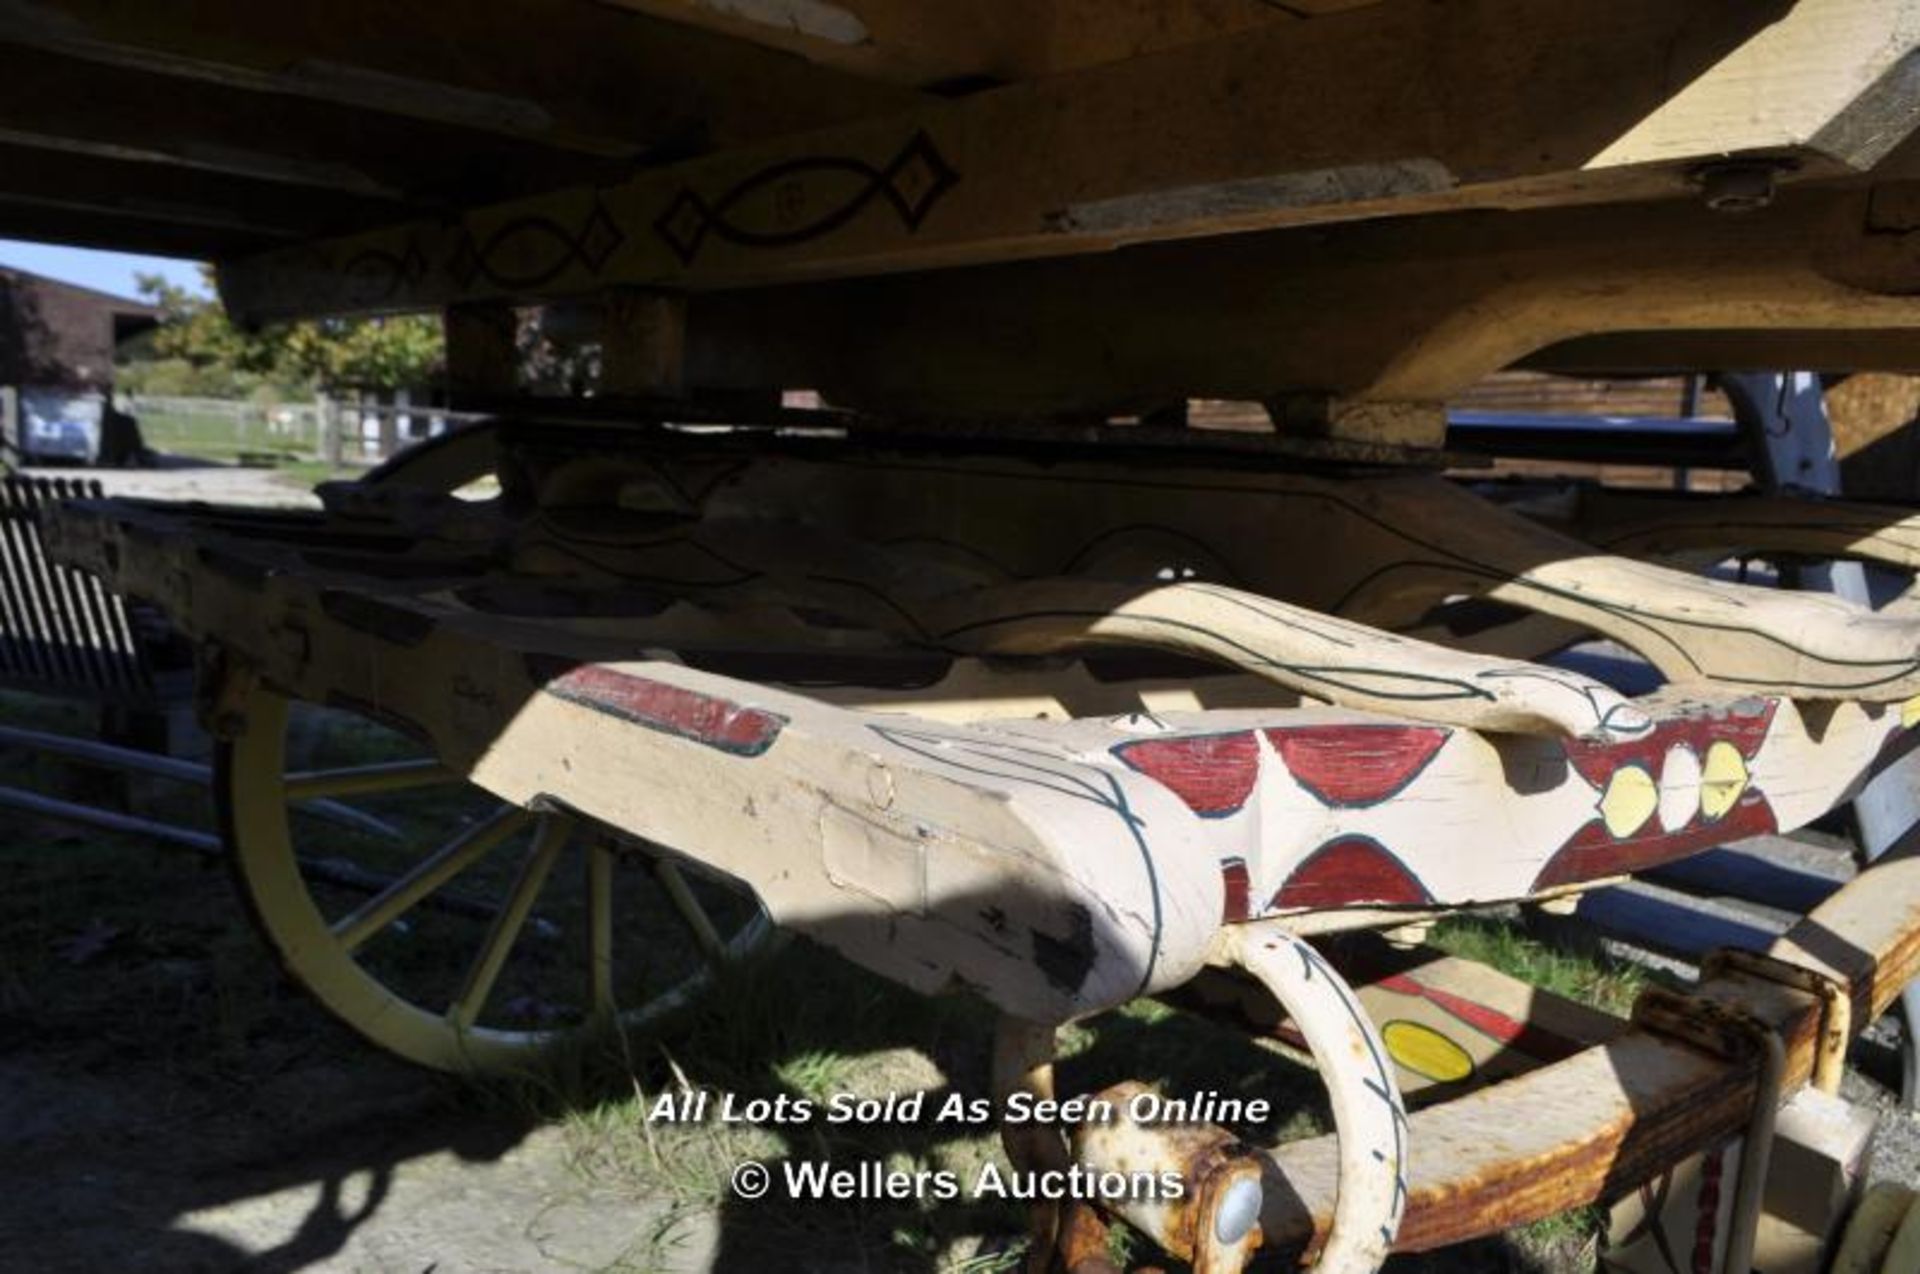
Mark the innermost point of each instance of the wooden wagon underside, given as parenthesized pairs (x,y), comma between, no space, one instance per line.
(992,670)
(1347,210)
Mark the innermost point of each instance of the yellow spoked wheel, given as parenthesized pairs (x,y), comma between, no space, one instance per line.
(453,930)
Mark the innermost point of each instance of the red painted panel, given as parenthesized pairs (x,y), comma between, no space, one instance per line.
(1745,726)
(1212,773)
(1238,904)
(718,723)
(1351,869)
(1535,1041)
(1592,851)
(1352,766)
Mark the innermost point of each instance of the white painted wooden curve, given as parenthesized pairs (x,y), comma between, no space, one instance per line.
(1657,524)
(1329,658)
(1370,1119)
(1382,551)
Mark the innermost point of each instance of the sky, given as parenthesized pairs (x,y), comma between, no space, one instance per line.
(104,271)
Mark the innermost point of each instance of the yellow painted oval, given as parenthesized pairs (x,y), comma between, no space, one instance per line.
(1722,779)
(1629,801)
(1426,1052)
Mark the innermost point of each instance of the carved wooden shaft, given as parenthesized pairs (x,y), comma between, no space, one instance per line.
(1656,525)
(1061,866)
(1693,630)
(1383,552)
(1319,655)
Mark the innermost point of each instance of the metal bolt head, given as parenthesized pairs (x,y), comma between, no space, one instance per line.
(1238,1210)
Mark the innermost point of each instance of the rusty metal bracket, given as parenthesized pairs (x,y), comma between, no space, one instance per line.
(1214,1224)
(1733,1033)
(1836,1003)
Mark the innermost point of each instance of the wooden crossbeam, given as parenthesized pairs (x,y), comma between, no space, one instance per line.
(52,101)
(1404,310)
(583,77)
(934,42)
(49,222)
(1401,107)
(190,196)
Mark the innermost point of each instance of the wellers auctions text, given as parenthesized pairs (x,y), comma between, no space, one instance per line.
(871,1180)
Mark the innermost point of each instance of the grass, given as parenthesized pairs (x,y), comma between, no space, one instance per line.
(293,457)
(222,437)
(104,939)
(224,440)
(1587,976)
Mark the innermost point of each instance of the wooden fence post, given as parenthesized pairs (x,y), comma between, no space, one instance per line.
(11,451)
(389,427)
(328,414)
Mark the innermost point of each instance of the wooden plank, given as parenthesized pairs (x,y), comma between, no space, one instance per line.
(1662,524)
(1599,1124)
(1613,353)
(894,41)
(196,197)
(582,77)
(1397,310)
(1401,107)
(1472,1025)
(1405,545)
(643,343)
(111,230)
(1736,873)
(923,43)
(52,101)
(1318,654)
(1670,928)
(482,350)
(1297,810)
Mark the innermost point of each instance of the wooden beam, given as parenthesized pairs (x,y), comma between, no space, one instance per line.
(582,77)
(1393,311)
(892,41)
(482,351)
(192,196)
(922,43)
(92,228)
(1399,108)
(56,102)
(1607,1120)
(201,216)
(643,343)
(1837,349)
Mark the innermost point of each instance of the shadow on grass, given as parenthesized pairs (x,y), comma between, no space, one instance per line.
(158,1078)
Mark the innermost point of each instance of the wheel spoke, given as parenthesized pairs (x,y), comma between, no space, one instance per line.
(600,930)
(402,1005)
(385,776)
(433,871)
(712,946)
(549,837)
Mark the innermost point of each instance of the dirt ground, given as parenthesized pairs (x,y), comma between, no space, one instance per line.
(169,1104)
(179,478)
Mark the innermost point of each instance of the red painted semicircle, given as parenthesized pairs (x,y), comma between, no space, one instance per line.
(1352,766)
(1352,869)
(1212,773)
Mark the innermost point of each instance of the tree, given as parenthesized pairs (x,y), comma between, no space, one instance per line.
(332,355)
(378,353)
